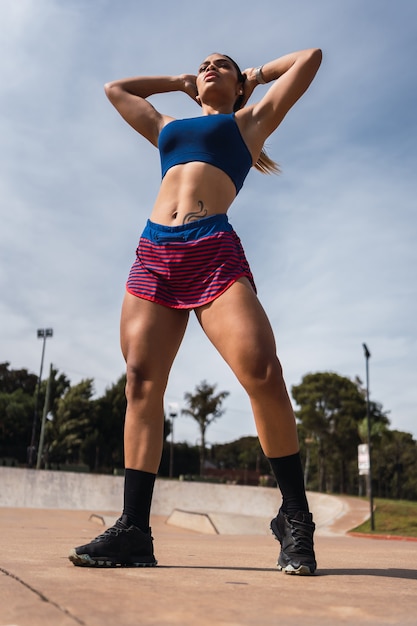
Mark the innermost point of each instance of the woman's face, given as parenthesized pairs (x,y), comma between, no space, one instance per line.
(217,73)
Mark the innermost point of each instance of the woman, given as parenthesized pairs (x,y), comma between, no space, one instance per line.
(189,258)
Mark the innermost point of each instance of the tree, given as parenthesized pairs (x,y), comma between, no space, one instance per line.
(245,452)
(12,380)
(18,389)
(106,448)
(205,408)
(58,385)
(16,417)
(395,466)
(331,408)
(72,426)
(187,459)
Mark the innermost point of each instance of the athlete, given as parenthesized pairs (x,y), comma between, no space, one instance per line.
(190,258)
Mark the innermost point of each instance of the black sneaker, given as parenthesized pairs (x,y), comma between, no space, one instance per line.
(296,538)
(123,544)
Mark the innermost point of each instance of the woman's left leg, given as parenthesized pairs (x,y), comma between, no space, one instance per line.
(238,327)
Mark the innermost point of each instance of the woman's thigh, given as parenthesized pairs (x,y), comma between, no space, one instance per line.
(150,335)
(238,327)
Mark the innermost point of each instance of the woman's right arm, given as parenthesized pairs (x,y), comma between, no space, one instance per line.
(129,97)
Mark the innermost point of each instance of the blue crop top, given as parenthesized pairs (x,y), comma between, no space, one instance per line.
(213,139)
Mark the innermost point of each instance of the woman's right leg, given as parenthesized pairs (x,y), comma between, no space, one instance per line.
(150,337)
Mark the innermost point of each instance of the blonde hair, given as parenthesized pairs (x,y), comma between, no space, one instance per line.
(264,164)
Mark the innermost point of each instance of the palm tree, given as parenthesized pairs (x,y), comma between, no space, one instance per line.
(204,407)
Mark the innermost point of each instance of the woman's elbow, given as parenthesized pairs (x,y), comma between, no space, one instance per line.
(317,56)
(312,61)
(111,89)
(107,88)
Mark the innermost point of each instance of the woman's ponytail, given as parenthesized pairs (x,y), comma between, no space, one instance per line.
(264,164)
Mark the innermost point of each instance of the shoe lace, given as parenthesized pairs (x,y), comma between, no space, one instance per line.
(113,530)
(302,537)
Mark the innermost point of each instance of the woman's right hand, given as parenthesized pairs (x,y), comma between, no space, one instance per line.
(249,84)
(190,86)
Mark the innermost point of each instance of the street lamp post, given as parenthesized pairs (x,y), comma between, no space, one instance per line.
(43,333)
(368,420)
(173,412)
(44,418)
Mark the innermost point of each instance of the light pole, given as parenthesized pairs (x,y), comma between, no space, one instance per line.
(173,412)
(368,420)
(43,333)
(44,418)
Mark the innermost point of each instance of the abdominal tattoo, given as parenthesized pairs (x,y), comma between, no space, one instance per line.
(195,215)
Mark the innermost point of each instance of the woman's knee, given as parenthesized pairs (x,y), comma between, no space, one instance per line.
(141,386)
(261,374)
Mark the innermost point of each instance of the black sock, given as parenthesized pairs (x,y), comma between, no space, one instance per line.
(138,497)
(289,475)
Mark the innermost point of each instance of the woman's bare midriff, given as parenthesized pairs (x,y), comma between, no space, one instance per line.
(190,192)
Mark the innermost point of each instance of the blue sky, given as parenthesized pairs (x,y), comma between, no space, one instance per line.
(331,241)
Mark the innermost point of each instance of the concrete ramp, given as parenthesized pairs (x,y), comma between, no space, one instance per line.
(193,520)
(219,523)
(203,507)
(326,509)
(333,515)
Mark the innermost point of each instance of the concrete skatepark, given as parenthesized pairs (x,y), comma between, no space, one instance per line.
(217,559)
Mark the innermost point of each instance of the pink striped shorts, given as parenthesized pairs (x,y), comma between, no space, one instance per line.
(184,267)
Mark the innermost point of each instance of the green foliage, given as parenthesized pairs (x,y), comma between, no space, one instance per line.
(379,423)
(16,417)
(12,380)
(245,452)
(332,409)
(186,460)
(394,466)
(106,447)
(205,407)
(392,517)
(18,394)
(87,431)
(331,412)
(59,385)
(17,389)
(69,433)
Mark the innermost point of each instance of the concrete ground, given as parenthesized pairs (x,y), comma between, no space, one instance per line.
(202,579)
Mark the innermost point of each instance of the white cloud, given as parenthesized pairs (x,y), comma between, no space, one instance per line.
(331,242)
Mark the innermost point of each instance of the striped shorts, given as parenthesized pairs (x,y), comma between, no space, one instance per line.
(184,267)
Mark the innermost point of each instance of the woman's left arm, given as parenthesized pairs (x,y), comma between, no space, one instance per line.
(291,76)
